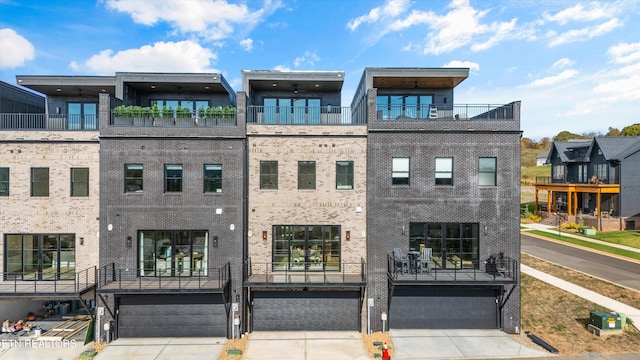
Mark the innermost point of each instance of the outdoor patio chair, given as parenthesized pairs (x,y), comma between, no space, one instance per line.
(425,260)
(401,260)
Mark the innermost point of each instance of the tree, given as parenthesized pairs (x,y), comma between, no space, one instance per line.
(546,143)
(566,136)
(613,132)
(631,130)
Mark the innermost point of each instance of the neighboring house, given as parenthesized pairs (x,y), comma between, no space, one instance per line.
(306,213)
(541,158)
(49,196)
(443,177)
(595,181)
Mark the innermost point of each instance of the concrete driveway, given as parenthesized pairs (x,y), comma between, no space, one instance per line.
(306,345)
(162,349)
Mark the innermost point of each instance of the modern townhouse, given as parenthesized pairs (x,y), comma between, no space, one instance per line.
(49,193)
(443,192)
(306,186)
(594,182)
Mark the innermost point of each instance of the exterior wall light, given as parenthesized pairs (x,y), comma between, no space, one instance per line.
(264,235)
(129,242)
(348,235)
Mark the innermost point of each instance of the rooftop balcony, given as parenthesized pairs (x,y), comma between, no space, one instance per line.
(299,115)
(433,112)
(211,118)
(71,122)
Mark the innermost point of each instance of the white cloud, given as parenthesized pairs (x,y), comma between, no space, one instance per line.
(15,49)
(564,62)
(309,58)
(554,79)
(586,33)
(247,44)
(210,19)
(624,53)
(391,9)
(281,68)
(594,11)
(501,31)
(462,64)
(184,57)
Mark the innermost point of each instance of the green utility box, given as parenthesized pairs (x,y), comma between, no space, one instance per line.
(605,321)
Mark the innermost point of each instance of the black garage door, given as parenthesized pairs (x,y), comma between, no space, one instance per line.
(306,310)
(443,308)
(172,316)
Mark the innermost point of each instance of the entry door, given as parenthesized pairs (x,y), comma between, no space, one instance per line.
(306,247)
(455,245)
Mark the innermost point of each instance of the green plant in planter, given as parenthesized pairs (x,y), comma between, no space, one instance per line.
(202,111)
(183,112)
(167,112)
(155,111)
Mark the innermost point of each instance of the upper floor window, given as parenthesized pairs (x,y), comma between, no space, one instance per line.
(487,170)
(307,175)
(600,171)
(400,171)
(291,110)
(212,178)
(79,181)
(133,178)
(582,174)
(444,171)
(344,175)
(187,108)
(391,107)
(39,181)
(269,175)
(4,181)
(82,116)
(173,178)
(557,172)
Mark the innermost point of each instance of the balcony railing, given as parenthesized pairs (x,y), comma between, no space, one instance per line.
(445,112)
(72,122)
(34,283)
(173,119)
(112,279)
(306,273)
(299,115)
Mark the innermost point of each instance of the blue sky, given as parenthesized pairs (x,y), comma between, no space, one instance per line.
(574,65)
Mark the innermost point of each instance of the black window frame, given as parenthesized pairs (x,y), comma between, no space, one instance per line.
(35,182)
(174,183)
(493,171)
(268,179)
(212,178)
(396,179)
(344,175)
(5,174)
(443,181)
(132,180)
(77,188)
(306,178)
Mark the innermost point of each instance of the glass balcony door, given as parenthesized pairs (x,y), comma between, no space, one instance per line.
(40,256)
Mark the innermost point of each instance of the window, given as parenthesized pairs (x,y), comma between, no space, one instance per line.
(390,107)
(306,247)
(344,175)
(291,110)
(582,174)
(4,181)
(600,171)
(79,181)
(400,171)
(212,178)
(40,256)
(269,175)
(558,172)
(173,253)
(167,108)
(306,175)
(173,178)
(39,181)
(487,170)
(444,171)
(133,178)
(455,242)
(82,116)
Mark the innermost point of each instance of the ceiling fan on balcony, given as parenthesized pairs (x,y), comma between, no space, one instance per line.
(296,90)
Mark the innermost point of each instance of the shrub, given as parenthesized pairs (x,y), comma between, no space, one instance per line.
(534,218)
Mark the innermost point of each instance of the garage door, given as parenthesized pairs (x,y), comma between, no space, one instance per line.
(172,316)
(443,308)
(306,310)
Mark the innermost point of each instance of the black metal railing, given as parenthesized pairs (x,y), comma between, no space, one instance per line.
(116,278)
(70,281)
(191,119)
(71,122)
(445,112)
(475,270)
(299,115)
(306,272)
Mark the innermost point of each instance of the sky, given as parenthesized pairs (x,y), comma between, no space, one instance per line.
(574,65)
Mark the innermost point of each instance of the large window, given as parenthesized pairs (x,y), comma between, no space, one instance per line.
(454,245)
(487,169)
(400,171)
(213,178)
(444,171)
(167,108)
(173,178)
(82,116)
(306,247)
(582,174)
(79,181)
(173,253)
(40,256)
(557,172)
(39,181)
(306,175)
(291,110)
(344,175)
(4,181)
(133,178)
(269,175)
(390,107)
(600,171)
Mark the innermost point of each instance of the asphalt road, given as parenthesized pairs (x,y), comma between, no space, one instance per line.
(626,273)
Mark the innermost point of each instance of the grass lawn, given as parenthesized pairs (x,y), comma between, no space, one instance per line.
(528,174)
(628,238)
